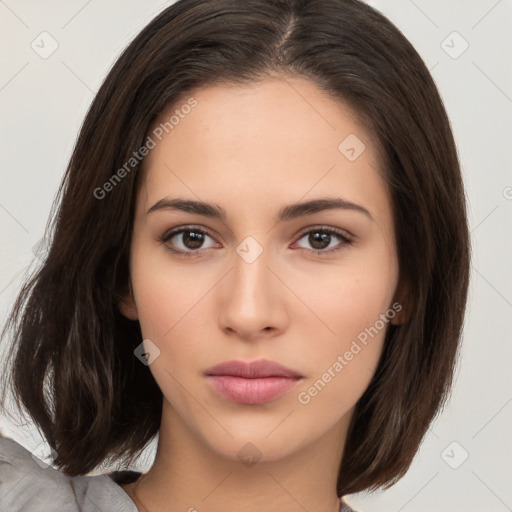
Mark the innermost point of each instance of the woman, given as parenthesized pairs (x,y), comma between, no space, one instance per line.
(260,254)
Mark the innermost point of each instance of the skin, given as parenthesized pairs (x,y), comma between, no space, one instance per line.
(253,150)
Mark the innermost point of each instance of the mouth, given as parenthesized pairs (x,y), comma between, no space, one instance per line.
(252,383)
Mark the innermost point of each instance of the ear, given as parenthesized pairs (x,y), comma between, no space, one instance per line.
(403,302)
(127,306)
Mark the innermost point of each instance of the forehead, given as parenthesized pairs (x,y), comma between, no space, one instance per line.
(259,141)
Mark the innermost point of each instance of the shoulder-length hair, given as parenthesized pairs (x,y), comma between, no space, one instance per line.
(73,367)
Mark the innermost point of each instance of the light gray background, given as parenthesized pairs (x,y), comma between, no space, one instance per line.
(43,102)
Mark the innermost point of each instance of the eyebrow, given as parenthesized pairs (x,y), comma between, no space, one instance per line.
(289,212)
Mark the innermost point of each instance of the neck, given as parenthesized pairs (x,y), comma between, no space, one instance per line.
(189,476)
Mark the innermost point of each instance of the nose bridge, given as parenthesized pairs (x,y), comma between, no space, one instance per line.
(250,305)
(251,277)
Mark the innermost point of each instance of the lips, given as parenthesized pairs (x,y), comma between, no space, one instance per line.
(252,383)
(252,370)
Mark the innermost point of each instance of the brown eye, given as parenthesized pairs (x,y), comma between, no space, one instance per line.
(187,241)
(324,240)
(319,240)
(192,239)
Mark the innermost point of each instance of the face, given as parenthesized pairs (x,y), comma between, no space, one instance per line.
(311,288)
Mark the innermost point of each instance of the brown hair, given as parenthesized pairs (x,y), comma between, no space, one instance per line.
(73,367)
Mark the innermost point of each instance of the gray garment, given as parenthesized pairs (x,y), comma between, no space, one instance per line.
(30,486)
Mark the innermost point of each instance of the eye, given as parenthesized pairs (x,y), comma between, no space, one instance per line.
(186,241)
(323,240)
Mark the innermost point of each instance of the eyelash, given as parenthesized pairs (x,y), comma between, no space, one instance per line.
(345,241)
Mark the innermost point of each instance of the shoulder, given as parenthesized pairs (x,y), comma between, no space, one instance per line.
(27,483)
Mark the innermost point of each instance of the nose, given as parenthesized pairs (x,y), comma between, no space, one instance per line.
(253,300)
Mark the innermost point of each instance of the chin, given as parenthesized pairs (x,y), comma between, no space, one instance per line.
(250,445)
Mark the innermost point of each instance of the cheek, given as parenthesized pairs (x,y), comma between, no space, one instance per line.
(164,294)
(352,297)
(343,364)
(169,307)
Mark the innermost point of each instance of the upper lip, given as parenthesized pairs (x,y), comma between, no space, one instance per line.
(252,369)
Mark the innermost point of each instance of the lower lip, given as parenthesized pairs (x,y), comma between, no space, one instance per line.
(251,391)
